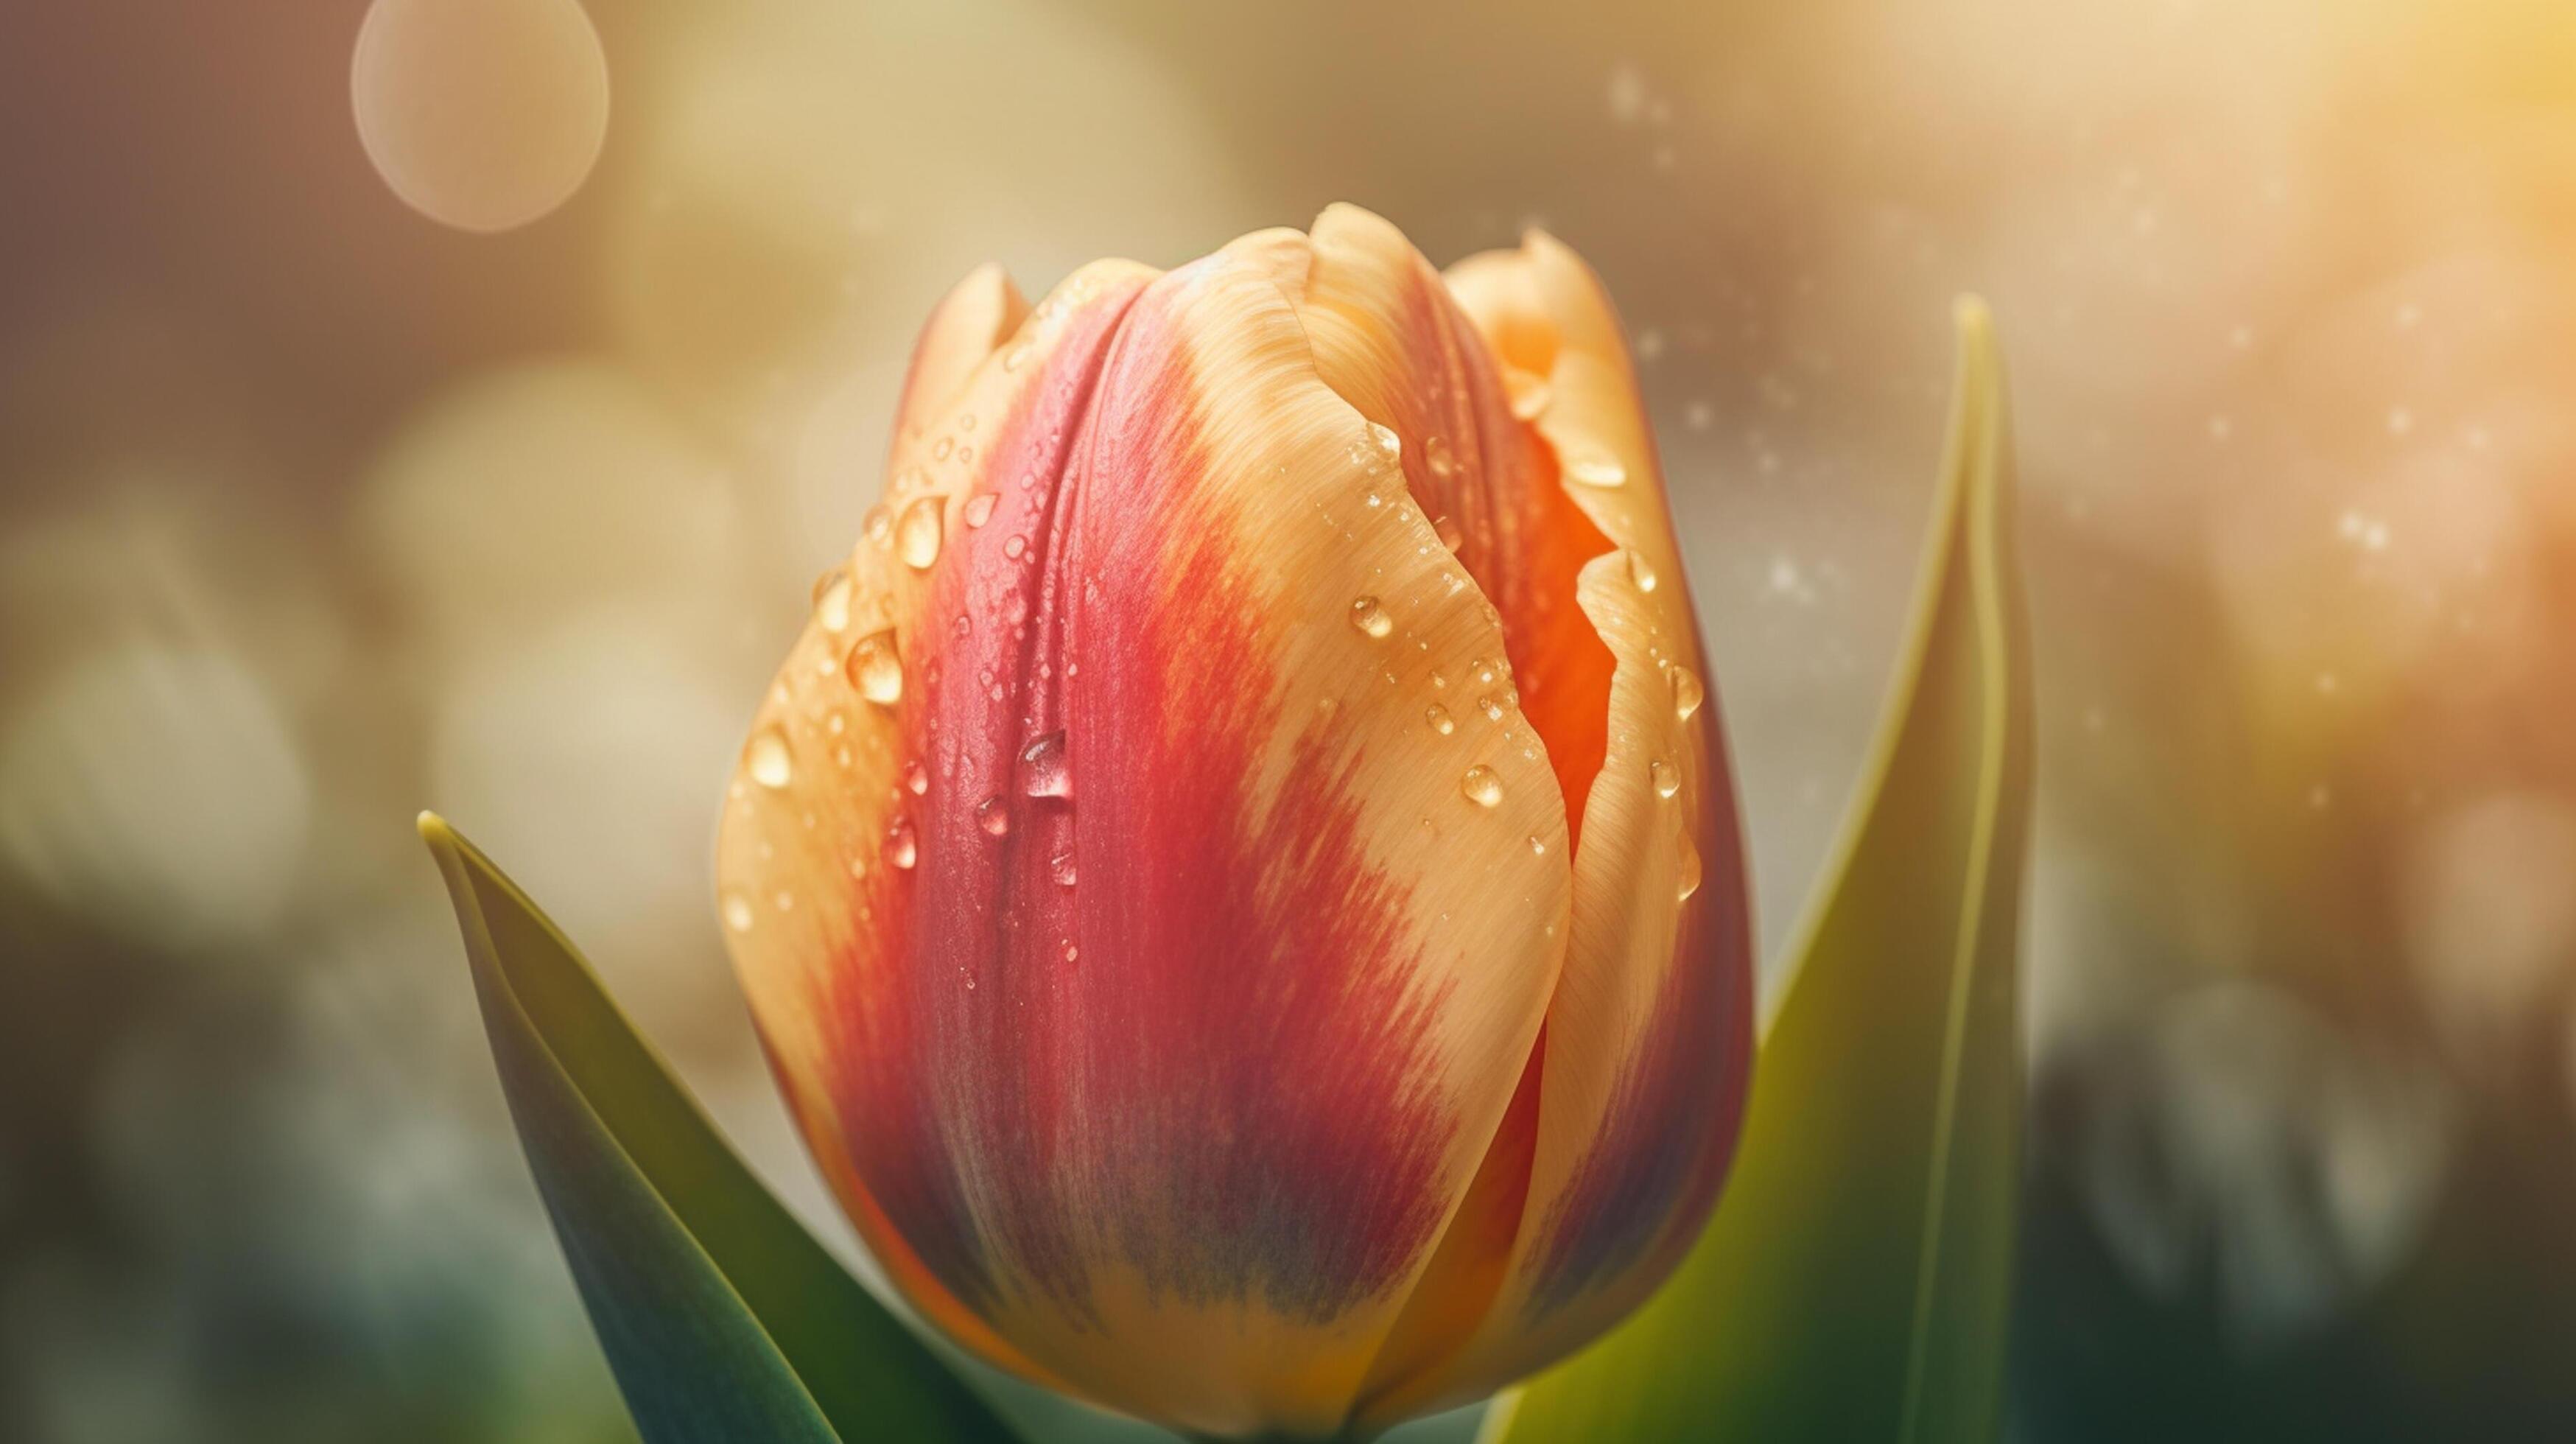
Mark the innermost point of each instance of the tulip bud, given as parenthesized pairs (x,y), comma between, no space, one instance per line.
(1238,877)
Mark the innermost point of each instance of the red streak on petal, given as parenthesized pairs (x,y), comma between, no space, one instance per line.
(1208,1059)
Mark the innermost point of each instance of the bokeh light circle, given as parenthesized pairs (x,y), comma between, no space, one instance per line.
(480,114)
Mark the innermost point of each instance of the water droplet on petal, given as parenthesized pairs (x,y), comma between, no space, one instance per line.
(993,814)
(737,911)
(832,600)
(916,537)
(1045,768)
(1482,786)
(1437,456)
(1687,693)
(1642,570)
(877,526)
(979,508)
(1014,546)
(1492,707)
(771,765)
(1538,847)
(1060,867)
(1450,534)
(876,669)
(1666,777)
(1440,720)
(1688,883)
(1527,392)
(1389,445)
(916,778)
(1016,357)
(900,848)
(1370,617)
(1596,470)
(939,449)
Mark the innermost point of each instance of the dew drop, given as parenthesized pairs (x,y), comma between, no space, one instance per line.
(737,911)
(1687,693)
(1016,357)
(939,449)
(877,526)
(1045,769)
(1072,953)
(1370,617)
(993,814)
(1493,708)
(916,778)
(1527,392)
(876,669)
(1450,534)
(1642,570)
(771,765)
(1060,867)
(900,848)
(1436,455)
(916,537)
(832,600)
(1440,720)
(1667,778)
(1389,445)
(1596,470)
(1538,847)
(1688,882)
(1013,547)
(1481,786)
(979,508)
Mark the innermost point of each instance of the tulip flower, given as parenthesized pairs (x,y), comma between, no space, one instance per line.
(1238,877)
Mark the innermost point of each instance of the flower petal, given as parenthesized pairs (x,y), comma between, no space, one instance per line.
(975,317)
(815,906)
(1216,962)
(1649,1035)
(1389,338)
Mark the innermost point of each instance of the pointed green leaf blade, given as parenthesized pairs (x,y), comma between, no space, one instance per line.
(1854,1283)
(721,1316)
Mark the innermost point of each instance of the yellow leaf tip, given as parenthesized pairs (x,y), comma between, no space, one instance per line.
(1975,319)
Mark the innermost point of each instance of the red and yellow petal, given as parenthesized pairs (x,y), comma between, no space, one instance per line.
(817,830)
(1151,966)
(1649,1036)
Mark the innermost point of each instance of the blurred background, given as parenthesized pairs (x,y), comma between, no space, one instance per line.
(448,403)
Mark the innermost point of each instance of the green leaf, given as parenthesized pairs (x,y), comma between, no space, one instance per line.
(1855,1281)
(721,1316)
